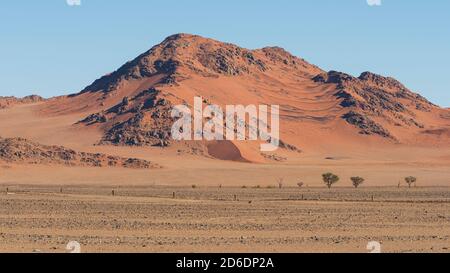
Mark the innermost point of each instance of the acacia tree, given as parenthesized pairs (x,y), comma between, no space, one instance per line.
(410,180)
(357,181)
(329,179)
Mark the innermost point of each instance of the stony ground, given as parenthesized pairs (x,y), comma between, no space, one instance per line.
(150,219)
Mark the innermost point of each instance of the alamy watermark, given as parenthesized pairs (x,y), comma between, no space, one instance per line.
(374,247)
(73,247)
(73,2)
(237,122)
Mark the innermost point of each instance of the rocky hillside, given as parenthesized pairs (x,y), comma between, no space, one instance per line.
(206,57)
(144,118)
(373,96)
(22,151)
(6,102)
(132,105)
(147,121)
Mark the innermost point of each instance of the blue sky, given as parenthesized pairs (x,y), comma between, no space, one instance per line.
(51,48)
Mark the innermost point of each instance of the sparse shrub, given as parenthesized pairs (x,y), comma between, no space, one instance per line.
(194,186)
(357,181)
(300,184)
(329,179)
(410,180)
(244,187)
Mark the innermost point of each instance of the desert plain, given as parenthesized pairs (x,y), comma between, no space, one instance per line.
(100,167)
(140,219)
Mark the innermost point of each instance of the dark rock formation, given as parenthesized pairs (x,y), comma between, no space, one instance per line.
(22,151)
(6,102)
(372,95)
(367,126)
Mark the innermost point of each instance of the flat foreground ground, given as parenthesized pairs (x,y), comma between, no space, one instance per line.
(150,219)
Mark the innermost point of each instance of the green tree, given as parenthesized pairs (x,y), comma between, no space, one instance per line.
(410,180)
(357,181)
(329,179)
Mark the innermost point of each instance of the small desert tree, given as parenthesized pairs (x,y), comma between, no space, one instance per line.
(329,179)
(357,181)
(410,180)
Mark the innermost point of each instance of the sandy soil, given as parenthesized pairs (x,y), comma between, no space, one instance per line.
(378,167)
(149,219)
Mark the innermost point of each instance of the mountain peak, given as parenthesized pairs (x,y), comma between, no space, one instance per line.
(182,36)
(201,56)
(141,91)
(387,82)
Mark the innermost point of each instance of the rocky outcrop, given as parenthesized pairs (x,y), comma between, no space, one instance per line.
(22,151)
(230,60)
(6,102)
(147,121)
(367,126)
(371,95)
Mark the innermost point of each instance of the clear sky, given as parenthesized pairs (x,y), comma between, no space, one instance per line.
(51,48)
